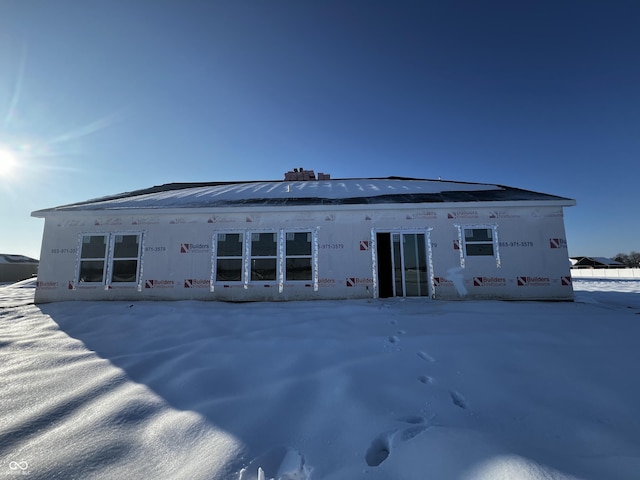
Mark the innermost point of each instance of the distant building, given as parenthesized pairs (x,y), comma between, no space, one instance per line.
(14,268)
(308,237)
(595,262)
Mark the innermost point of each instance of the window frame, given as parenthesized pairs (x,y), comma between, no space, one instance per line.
(109,258)
(113,259)
(473,242)
(275,257)
(288,256)
(463,243)
(280,257)
(82,259)
(241,257)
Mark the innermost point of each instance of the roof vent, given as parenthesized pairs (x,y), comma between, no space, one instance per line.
(305,175)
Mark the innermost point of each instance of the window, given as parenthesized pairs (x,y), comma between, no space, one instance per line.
(122,258)
(298,256)
(93,253)
(126,251)
(229,257)
(264,256)
(478,242)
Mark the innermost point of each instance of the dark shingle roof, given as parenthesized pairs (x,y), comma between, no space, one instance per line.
(314,192)
(12,258)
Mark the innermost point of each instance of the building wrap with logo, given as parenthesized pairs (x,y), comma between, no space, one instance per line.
(308,239)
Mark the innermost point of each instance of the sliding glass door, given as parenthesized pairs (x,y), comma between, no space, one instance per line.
(402,264)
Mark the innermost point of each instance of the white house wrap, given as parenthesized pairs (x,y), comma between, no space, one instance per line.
(308,239)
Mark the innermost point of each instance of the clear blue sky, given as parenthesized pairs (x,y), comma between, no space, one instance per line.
(105,96)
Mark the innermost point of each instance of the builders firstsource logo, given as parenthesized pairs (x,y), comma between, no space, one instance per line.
(196,283)
(159,284)
(502,214)
(462,214)
(489,281)
(442,282)
(533,281)
(557,243)
(194,247)
(354,281)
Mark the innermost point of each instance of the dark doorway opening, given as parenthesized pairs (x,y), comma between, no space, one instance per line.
(385,265)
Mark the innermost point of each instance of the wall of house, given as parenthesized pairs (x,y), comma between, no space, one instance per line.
(178,253)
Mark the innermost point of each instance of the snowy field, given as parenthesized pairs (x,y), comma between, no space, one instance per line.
(339,390)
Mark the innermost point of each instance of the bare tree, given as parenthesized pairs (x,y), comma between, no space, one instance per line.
(629,259)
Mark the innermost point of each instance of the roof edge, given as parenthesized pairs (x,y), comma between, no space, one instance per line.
(168,187)
(302,208)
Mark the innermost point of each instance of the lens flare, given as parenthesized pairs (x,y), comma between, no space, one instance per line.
(8,162)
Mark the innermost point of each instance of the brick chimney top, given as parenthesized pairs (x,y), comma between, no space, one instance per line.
(300,174)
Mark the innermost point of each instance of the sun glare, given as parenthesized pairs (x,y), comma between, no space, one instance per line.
(7,162)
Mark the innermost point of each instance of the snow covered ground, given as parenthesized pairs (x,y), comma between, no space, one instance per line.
(337,390)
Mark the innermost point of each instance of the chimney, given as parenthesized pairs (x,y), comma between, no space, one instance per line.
(300,174)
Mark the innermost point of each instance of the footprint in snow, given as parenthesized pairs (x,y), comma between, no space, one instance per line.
(382,445)
(426,357)
(393,339)
(458,400)
(426,379)
(379,449)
